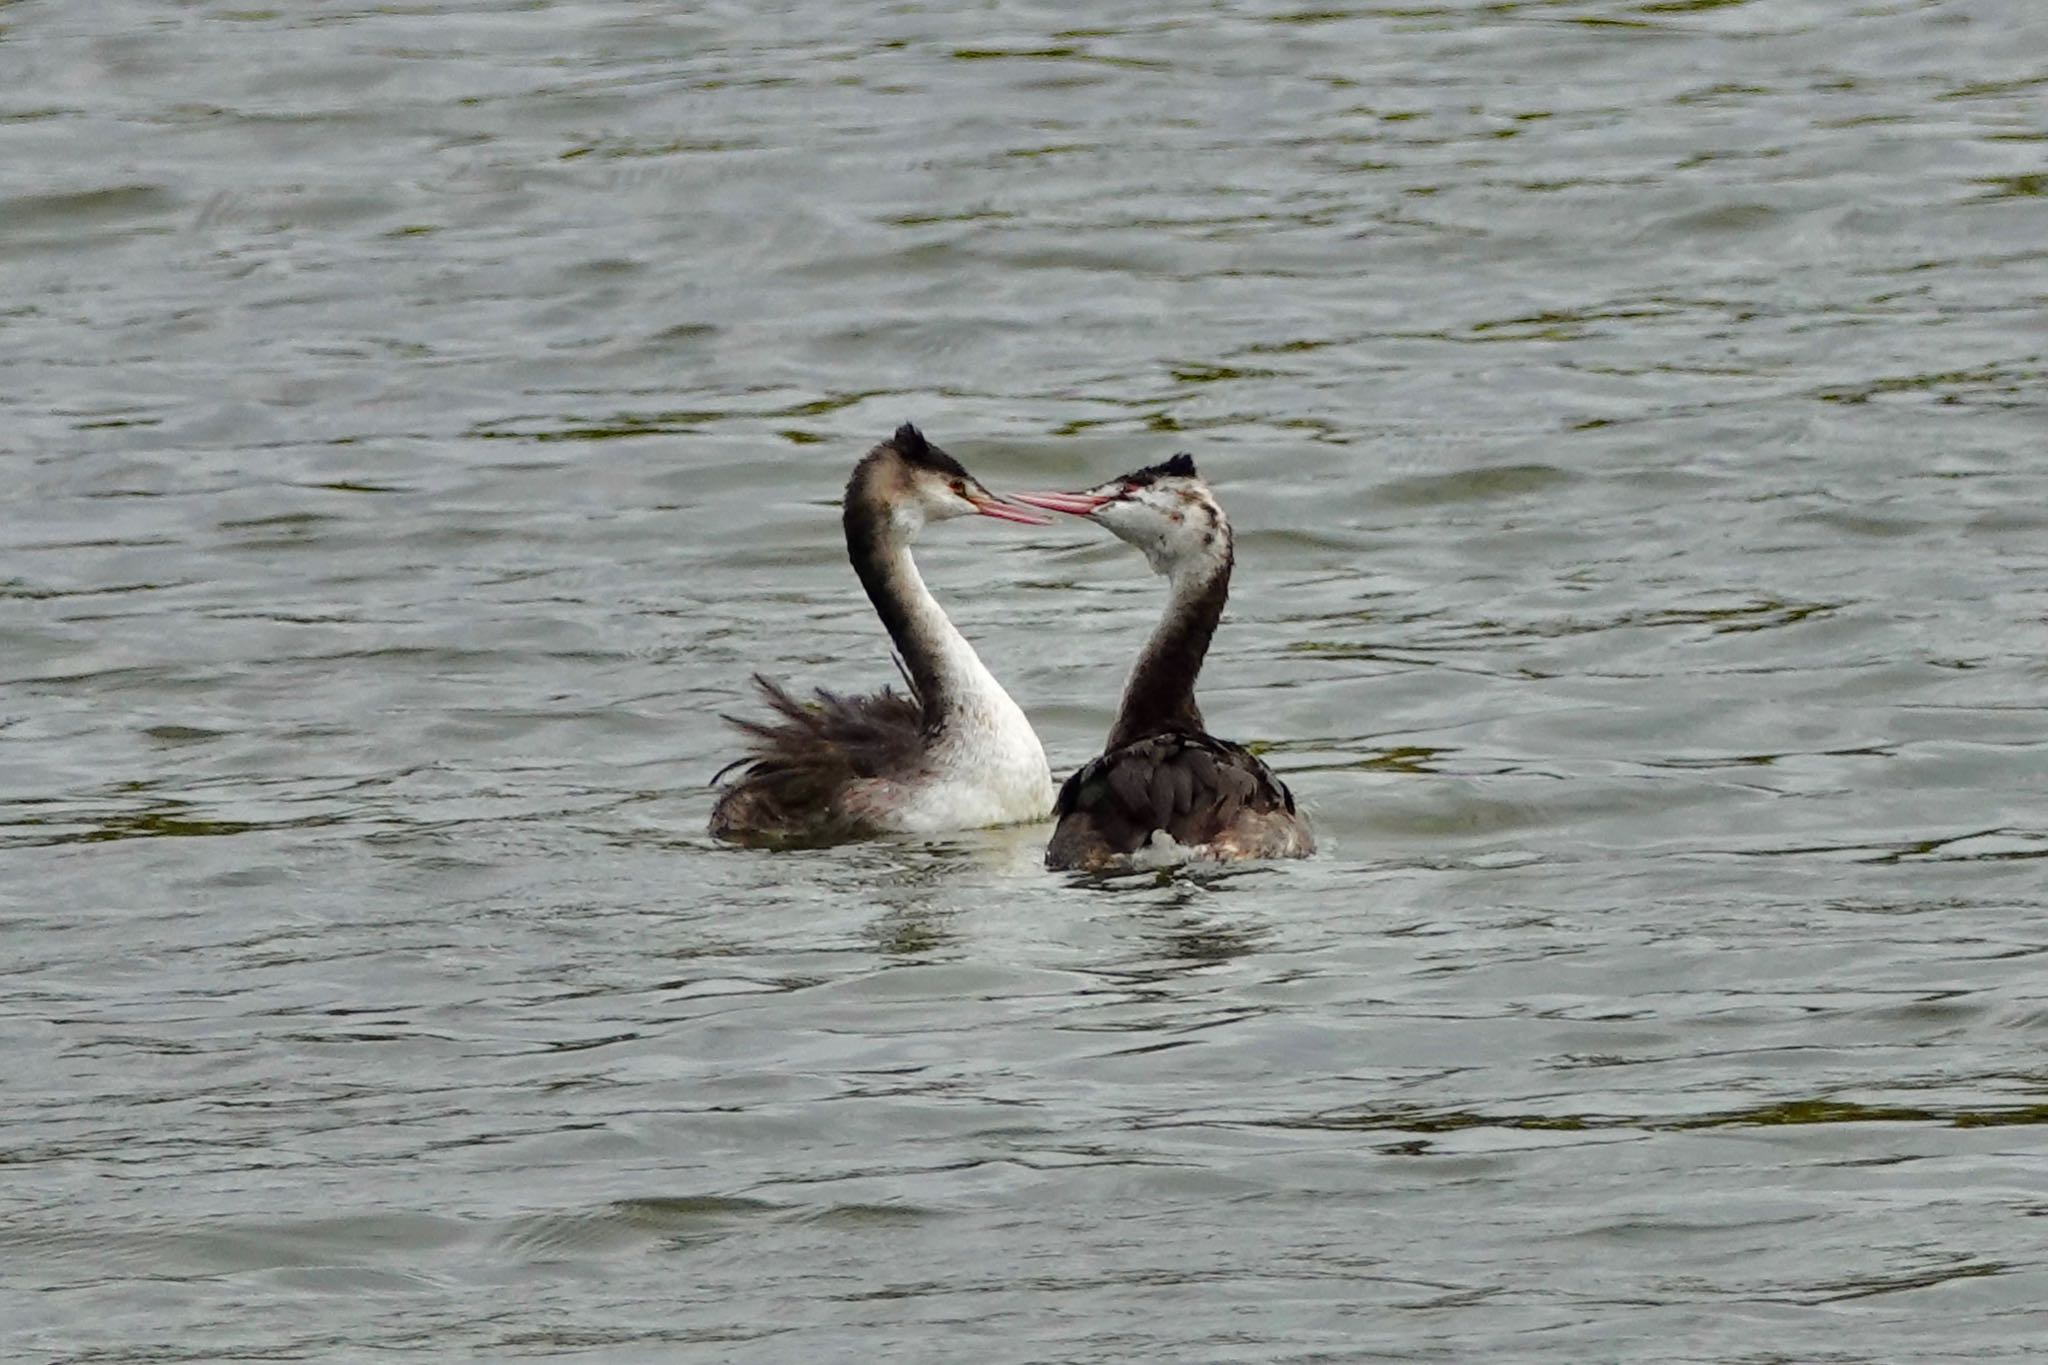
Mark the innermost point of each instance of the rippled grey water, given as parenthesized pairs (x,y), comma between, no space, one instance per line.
(417,419)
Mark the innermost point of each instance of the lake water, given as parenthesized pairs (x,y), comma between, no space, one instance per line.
(416,421)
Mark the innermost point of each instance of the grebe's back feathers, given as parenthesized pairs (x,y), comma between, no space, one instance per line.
(1200,792)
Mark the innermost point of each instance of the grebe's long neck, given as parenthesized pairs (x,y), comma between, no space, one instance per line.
(949,676)
(1161,693)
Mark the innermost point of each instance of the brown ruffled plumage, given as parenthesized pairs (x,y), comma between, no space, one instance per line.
(798,765)
(1197,790)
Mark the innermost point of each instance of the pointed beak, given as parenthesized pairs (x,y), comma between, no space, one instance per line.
(989,505)
(1074,504)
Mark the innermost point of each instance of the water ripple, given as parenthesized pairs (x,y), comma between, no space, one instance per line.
(421,419)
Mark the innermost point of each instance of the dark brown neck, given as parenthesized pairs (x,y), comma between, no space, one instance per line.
(1161,693)
(879,558)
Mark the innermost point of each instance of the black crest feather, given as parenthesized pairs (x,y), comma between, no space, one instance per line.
(909,442)
(1181,466)
(915,449)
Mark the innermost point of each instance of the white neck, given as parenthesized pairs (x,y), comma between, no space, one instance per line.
(937,653)
(986,764)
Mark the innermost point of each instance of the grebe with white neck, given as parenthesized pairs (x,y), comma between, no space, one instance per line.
(957,753)
(1165,790)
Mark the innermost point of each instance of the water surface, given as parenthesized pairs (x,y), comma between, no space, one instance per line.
(417,420)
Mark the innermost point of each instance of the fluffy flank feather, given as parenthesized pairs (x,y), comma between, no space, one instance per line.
(798,762)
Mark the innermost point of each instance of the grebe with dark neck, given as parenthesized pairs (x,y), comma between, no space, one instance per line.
(1164,789)
(957,753)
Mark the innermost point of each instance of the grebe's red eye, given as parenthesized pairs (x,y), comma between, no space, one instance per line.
(960,487)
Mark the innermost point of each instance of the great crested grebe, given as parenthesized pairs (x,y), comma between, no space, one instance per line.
(956,753)
(1164,789)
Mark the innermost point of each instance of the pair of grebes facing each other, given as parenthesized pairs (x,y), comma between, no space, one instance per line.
(957,752)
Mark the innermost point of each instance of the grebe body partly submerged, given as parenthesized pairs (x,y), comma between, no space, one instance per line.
(957,753)
(1165,790)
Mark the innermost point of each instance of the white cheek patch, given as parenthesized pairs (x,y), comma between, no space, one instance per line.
(1186,541)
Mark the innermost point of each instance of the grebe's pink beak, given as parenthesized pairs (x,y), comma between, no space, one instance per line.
(988,505)
(1074,504)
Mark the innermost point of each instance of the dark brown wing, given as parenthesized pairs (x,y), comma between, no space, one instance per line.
(799,763)
(1199,789)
